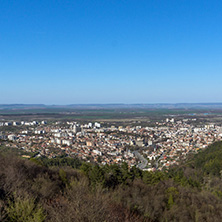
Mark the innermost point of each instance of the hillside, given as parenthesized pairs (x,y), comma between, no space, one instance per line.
(65,189)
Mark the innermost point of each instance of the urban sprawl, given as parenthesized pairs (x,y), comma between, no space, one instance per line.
(149,148)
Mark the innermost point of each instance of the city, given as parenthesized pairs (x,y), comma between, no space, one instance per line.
(149,148)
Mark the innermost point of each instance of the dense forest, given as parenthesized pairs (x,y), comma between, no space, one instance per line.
(65,189)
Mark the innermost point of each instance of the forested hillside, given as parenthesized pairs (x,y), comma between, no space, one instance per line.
(65,189)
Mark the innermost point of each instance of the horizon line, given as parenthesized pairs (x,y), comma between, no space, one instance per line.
(71,104)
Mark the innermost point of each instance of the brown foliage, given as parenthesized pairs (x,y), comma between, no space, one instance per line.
(66,195)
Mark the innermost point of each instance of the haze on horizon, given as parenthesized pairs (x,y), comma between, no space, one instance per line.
(96,52)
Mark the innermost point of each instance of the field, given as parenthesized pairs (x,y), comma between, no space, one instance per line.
(109,113)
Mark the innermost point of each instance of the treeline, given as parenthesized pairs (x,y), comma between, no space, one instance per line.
(66,189)
(61,161)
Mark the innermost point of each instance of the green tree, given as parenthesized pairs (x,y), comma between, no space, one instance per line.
(24,210)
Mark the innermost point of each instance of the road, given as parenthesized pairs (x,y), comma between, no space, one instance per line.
(157,162)
(144,161)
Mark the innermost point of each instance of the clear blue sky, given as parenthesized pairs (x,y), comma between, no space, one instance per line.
(110,51)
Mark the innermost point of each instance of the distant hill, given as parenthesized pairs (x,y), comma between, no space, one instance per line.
(116,106)
(21,106)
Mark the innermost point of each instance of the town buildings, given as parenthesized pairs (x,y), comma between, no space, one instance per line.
(164,144)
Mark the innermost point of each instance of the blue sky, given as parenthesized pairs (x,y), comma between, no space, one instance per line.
(110,51)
